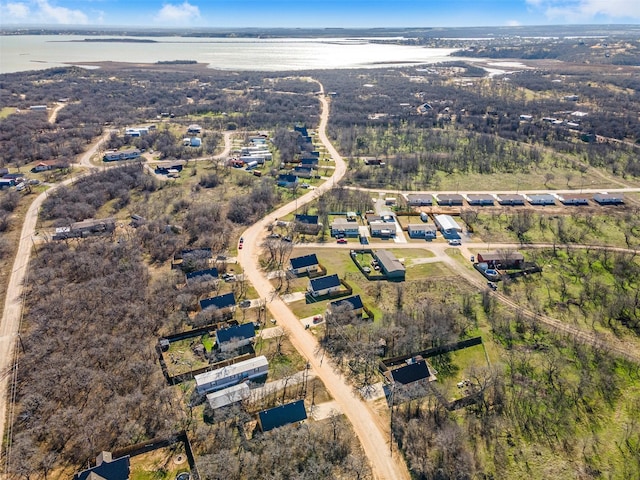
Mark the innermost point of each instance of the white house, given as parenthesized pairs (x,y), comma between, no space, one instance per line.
(447,225)
(231,374)
(228,396)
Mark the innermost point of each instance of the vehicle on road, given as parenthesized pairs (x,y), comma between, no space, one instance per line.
(273,235)
(317,319)
(473,259)
(304,185)
(286,239)
(455,243)
(492,285)
(342,240)
(364,240)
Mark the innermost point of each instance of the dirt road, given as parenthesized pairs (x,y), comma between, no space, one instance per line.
(366,426)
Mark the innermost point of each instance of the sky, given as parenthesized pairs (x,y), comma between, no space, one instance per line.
(318,14)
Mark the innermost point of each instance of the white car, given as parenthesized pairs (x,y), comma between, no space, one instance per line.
(455,243)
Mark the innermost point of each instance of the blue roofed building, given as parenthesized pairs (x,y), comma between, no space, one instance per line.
(307,224)
(283,415)
(287,180)
(305,264)
(354,304)
(234,337)
(202,274)
(324,285)
(221,302)
(415,370)
(106,469)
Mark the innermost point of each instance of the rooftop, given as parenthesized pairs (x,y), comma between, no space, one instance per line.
(282,415)
(304,261)
(241,332)
(221,301)
(322,283)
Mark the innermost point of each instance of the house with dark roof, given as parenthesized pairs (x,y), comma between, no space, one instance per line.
(283,415)
(226,302)
(305,264)
(570,199)
(390,265)
(106,469)
(541,199)
(609,198)
(287,180)
(480,199)
(301,129)
(449,199)
(324,285)
(307,224)
(309,162)
(302,172)
(234,337)
(202,274)
(511,199)
(415,370)
(354,304)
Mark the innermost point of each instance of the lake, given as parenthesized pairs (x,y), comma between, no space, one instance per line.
(37,52)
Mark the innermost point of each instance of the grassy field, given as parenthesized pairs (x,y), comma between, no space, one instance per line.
(161,464)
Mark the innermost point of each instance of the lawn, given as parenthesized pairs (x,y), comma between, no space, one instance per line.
(161,464)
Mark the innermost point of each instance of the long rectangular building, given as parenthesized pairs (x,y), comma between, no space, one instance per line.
(231,374)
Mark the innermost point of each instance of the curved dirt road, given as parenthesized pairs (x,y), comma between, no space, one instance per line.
(365,424)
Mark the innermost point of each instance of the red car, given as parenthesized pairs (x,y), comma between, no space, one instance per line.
(342,240)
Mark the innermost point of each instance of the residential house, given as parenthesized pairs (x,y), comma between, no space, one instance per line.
(341,227)
(230,375)
(165,168)
(305,264)
(419,199)
(422,230)
(118,155)
(86,228)
(208,273)
(226,302)
(302,172)
(353,303)
(453,199)
(448,226)
(282,415)
(511,199)
(382,229)
(301,129)
(194,129)
(480,199)
(390,265)
(501,259)
(324,285)
(309,162)
(415,370)
(234,337)
(541,199)
(573,199)
(106,469)
(49,165)
(287,180)
(307,224)
(228,396)
(373,161)
(609,198)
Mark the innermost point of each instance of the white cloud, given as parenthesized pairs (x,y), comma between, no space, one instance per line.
(16,11)
(180,13)
(586,10)
(49,13)
(513,23)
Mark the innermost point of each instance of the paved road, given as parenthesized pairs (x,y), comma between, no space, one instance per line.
(365,423)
